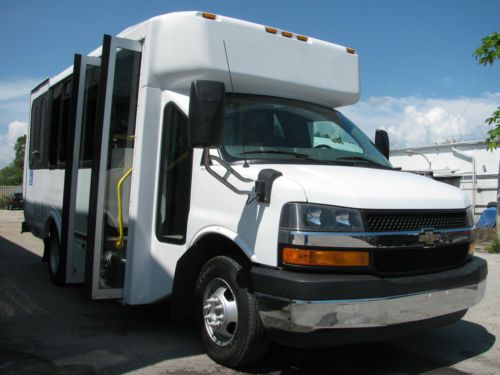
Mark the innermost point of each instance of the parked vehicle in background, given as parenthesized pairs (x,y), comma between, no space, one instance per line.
(488,218)
(203,159)
(15,201)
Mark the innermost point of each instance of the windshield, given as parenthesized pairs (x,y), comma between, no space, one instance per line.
(261,128)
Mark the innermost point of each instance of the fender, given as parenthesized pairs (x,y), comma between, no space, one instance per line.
(220,241)
(228,233)
(53,216)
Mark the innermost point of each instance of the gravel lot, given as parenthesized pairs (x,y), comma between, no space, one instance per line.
(48,330)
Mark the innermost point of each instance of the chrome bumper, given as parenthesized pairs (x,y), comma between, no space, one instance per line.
(308,316)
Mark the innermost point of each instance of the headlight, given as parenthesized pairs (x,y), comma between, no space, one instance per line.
(315,217)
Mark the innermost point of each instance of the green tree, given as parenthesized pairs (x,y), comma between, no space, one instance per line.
(486,54)
(13,173)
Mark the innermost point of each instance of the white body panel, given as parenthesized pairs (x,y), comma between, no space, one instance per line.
(179,48)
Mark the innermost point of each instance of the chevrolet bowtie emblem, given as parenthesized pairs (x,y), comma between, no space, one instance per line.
(429,237)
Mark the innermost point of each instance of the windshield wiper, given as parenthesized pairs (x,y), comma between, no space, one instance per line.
(362,159)
(296,154)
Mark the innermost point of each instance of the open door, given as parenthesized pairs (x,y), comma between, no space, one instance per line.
(112,169)
(75,213)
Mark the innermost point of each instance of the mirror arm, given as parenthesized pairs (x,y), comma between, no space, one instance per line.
(207,158)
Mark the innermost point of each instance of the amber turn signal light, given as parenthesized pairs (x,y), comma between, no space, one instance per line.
(335,258)
(209,16)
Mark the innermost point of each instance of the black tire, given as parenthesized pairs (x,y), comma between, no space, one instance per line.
(56,259)
(227,278)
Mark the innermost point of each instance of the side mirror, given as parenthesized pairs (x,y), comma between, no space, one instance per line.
(206,114)
(382,142)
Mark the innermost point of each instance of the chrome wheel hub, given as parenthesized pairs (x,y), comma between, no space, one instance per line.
(220,312)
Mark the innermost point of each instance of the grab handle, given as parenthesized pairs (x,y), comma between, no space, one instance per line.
(120,242)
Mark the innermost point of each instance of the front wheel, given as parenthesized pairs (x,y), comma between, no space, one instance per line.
(232,331)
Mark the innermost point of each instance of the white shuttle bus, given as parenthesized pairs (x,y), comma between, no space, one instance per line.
(202,159)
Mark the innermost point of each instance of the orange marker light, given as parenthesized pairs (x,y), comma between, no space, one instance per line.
(209,16)
(303,257)
(302,38)
(350,50)
(287,34)
(271,30)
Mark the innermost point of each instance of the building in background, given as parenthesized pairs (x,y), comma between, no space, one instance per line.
(463,164)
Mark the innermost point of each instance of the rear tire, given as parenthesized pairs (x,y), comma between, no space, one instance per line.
(56,259)
(232,331)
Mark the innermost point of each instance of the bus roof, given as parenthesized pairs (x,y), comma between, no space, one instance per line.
(249,58)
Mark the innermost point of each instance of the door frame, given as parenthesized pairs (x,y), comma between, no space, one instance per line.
(74,133)
(100,158)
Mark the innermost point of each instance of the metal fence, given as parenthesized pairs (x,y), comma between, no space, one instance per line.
(5,191)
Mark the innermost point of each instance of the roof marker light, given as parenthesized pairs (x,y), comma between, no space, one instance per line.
(209,16)
(302,38)
(271,30)
(287,34)
(350,50)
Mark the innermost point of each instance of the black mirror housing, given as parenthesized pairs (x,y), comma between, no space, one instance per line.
(206,114)
(382,142)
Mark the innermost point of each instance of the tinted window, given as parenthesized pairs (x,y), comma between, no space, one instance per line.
(60,107)
(277,129)
(38,114)
(55,119)
(65,119)
(89,113)
(175,177)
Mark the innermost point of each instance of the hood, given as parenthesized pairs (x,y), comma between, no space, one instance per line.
(371,188)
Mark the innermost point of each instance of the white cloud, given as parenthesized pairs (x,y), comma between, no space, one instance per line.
(14,103)
(414,121)
(7,141)
(14,89)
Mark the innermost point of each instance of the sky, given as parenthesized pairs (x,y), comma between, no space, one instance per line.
(419,80)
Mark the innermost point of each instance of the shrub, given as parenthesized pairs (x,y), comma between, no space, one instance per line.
(493,247)
(3,202)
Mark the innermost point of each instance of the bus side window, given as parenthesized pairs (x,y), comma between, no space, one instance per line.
(55,111)
(38,112)
(89,114)
(62,140)
(60,106)
(175,178)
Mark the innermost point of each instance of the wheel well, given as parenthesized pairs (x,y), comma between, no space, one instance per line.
(49,226)
(189,266)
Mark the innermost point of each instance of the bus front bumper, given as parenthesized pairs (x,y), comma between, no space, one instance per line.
(364,306)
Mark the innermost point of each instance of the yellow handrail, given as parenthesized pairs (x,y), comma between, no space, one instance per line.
(119,243)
